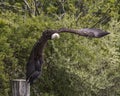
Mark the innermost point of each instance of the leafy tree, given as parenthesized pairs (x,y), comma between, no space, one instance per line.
(74,66)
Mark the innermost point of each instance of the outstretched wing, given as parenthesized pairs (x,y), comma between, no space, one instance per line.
(87,32)
(97,33)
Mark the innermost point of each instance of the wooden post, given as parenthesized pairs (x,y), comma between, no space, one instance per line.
(20,87)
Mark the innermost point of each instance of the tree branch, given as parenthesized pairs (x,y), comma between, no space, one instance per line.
(36,8)
(28,7)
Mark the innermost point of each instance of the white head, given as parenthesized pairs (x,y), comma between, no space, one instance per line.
(55,35)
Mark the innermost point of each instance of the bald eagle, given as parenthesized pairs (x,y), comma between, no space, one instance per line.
(35,61)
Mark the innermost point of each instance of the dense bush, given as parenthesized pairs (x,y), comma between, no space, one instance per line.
(74,66)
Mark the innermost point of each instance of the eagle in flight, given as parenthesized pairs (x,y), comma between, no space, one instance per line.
(35,61)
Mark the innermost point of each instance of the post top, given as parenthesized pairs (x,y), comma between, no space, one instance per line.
(19,80)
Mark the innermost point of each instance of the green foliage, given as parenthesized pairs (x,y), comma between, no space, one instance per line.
(74,66)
